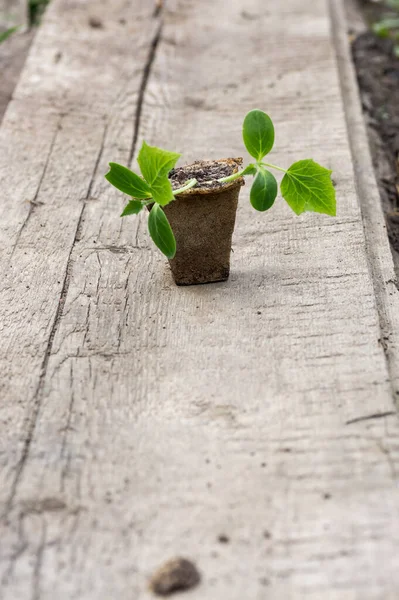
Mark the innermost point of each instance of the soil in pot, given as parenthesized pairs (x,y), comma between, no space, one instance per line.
(202,220)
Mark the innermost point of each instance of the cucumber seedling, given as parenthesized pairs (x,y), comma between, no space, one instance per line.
(306,185)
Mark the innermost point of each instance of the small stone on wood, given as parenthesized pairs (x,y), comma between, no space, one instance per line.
(96,23)
(175,575)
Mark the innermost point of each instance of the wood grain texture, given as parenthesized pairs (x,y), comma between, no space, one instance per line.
(142,421)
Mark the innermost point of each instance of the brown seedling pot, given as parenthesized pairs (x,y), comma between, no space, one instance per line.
(202,220)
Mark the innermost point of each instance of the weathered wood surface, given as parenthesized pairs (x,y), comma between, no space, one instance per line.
(14,50)
(140,420)
(13,53)
(357,25)
(13,12)
(354,18)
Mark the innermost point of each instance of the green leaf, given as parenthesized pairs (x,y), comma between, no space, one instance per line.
(386,27)
(155,162)
(161,232)
(387,23)
(155,165)
(133,208)
(162,191)
(258,134)
(264,190)
(128,182)
(5,34)
(307,186)
(381,30)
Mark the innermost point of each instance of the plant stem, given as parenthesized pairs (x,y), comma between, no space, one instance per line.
(274,167)
(190,184)
(243,172)
(231,177)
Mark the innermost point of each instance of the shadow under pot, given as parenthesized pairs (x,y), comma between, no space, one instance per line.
(202,220)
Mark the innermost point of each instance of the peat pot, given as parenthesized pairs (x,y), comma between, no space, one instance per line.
(202,220)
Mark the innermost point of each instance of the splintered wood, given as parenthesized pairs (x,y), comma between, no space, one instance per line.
(141,421)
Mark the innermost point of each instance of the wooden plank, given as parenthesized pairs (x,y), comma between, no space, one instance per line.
(356,26)
(378,248)
(354,17)
(53,133)
(144,420)
(14,50)
(13,53)
(12,13)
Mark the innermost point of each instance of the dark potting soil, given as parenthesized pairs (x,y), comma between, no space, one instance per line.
(378,76)
(206,173)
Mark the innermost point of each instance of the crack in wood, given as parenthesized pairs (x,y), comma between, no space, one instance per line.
(87,325)
(34,203)
(38,393)
(388,413)
(394,282)
(159,5)
(124,310)
(389,459)
(22,545)
(116,249)
(99,276)
(64,455)
(38,564)
(144,82)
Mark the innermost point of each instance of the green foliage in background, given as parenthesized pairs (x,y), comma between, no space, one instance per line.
(6,34)
(389,26)
(36,9)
